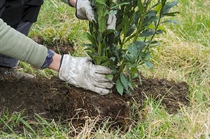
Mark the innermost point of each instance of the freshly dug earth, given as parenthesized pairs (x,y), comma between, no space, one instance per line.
(54,99)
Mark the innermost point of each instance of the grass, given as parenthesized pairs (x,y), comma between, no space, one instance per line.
(183,56)
(57,24)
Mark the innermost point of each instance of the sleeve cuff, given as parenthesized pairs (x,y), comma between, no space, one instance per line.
(67,2)
(49,59)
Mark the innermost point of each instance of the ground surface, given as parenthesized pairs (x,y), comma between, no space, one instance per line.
(54,99)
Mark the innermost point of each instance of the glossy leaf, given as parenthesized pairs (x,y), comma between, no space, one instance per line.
(90,37)
(170,21)
(147,33)
(132,49)
(149,64)
(119,87)
(170,14)
(124,81)
(129,45)
(168,6)
(140,45)
(131,30)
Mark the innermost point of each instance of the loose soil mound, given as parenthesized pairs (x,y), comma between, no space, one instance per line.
(54,99)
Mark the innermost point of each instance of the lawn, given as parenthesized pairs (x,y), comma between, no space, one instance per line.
(184,55)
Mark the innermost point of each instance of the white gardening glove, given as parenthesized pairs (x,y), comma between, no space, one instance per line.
(111,22)
(84,10)
(81,72)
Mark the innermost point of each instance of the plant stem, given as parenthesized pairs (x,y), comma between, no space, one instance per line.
(99,49)
(121,68)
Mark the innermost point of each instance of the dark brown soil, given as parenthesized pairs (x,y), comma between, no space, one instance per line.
(54,99)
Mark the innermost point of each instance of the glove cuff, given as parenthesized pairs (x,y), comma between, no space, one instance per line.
(78,13)
(61,62)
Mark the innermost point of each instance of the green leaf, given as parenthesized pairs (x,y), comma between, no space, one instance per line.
(136,18)
(149,64)
(91,54)
(130,58)
(119,87)
(130,65)
(125,24)
(110,77)
(124,81)
(107,63)
(131,30)
(168,6)
(113,12)
(140,45)
(170,14)
(149,19)
(158,7)
(132,49)
(130,44)
(101,2)
(155,43)
(151,13)
(159,32)
(161,28)
(88,46)
(147,33)
(120,4)
(140,6)
(99,59)
(102,13)
(130,85)
(170,21)
(90,37)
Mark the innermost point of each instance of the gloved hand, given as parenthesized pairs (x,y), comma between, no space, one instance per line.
(111,22)
(81,72)
(85,11)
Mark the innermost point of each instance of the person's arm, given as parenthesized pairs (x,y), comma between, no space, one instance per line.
(17,45)
(73,2)
(70,2)
(78,71)
(55,65)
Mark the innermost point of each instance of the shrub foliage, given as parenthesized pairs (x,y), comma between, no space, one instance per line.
(129,45)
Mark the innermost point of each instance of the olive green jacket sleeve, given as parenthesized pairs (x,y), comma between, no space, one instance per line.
(17,45)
